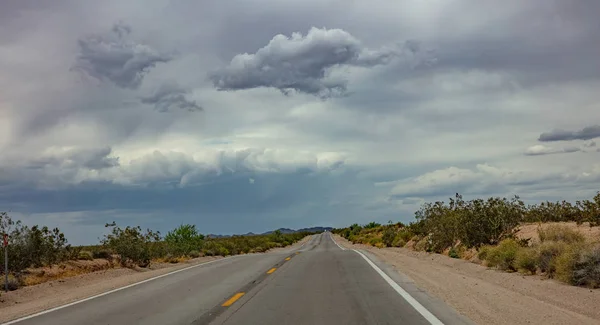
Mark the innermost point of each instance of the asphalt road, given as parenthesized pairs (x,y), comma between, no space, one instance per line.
(319,283)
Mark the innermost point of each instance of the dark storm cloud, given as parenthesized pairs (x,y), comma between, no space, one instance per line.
(587,133)
(112,57)
(301,63)
(171,96)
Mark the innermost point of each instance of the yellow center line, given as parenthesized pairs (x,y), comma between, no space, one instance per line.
(271,270)
(288,258)
(233,299)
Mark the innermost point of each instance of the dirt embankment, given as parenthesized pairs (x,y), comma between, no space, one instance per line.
(488,296)
(530,230)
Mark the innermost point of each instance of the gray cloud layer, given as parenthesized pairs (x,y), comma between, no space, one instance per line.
(114,58)
(302,62)
(171,96)
(459,125)
(587,133)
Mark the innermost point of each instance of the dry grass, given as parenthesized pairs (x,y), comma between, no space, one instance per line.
(64,270)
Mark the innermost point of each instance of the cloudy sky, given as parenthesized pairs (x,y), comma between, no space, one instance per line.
(245,116)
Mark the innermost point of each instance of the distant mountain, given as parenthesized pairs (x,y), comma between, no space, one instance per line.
(283,231)
(216,236)
(315,229)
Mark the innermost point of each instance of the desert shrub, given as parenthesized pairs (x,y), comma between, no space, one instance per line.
(102,253)
(32,246)
(472,223)
(547,253)
(526,260)
(398,241)
(560,233)
(372,225)
(586,269)
(453,252)
(85,255)
(222,251)
(389,234)
(133,246)
(375,241)
(581,211)
(170,258)
(405,234)
(194,254)
(503,256)
(564,263)
(72,253)
(13,283)
(483,251)
(423,244)
(183,240)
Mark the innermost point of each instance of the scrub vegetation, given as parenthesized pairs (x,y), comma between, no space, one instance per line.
(486,231)
(34,250)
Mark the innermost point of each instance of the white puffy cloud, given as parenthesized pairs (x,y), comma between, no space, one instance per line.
(538,150)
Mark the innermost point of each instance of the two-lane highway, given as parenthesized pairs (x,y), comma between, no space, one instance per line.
(320,283)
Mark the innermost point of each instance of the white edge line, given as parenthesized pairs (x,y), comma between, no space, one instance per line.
(113,291)
(412,301)
(338,245)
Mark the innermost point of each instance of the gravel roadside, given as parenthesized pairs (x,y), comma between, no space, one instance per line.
(488,296)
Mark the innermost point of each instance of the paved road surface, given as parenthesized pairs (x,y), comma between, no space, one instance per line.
(320,283)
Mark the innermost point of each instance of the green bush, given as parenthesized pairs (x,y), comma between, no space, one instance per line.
(453,253)
(36,246)
(560,233)
(85,255)
(526,260)
(483,251)
(389,234)
(582,211)
(183,239)
(503,256)
(374,241)
(472,223)
(194,254)
(133,246)
(372,225)
(564,263)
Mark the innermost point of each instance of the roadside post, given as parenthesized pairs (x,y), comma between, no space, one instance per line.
(5,245)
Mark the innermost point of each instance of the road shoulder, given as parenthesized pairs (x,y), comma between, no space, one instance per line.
(486,296)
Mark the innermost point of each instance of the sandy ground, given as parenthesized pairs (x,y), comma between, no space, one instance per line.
(31,299)
(488,296)
(530,230)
